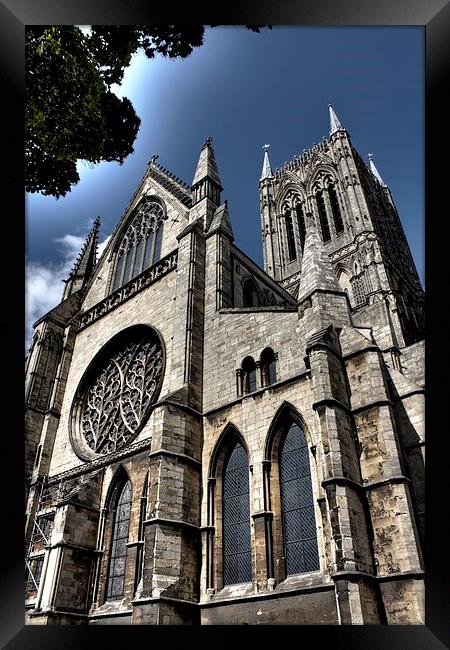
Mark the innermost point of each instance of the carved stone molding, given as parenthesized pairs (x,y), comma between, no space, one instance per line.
(148,277)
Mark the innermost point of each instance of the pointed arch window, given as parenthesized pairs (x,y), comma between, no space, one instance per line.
(44,382)
(140,247)
(118,555)
(323,218)
(301,224)
(268,367)
(248,375)
(290,234)
(250,296)
(335,209)
(358,289)
(297,504)
(237,560)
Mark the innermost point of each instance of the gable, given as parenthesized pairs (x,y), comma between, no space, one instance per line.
(176,216)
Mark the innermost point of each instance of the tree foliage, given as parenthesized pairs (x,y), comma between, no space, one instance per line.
(71,113)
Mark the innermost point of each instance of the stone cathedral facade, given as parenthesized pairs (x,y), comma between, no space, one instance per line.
(211,443)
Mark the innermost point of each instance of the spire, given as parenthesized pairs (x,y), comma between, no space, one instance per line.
(317,271)
(85,263)
(266,170)
(335,125)
(374,171)
(207,166)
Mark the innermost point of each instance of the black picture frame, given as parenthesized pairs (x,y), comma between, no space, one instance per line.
(434,16)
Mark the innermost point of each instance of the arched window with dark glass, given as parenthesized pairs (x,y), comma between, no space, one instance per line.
(119,540)
(301,224)
(335,209)
(248,375)
(268,367)
(237,558)
(140,246)
(250,296)
(297,504)
(358,289)
(290,234)
(323,218)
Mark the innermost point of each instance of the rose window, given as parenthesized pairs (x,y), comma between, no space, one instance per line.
(114,402)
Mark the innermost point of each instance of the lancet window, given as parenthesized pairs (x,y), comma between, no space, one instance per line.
(141,243)
(118,554)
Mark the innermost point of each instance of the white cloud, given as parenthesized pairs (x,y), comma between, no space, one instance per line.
(44,282)
(71,245)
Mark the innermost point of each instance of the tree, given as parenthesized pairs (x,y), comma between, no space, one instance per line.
(70,111)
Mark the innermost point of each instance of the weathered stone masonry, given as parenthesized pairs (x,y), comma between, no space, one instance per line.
(339,311)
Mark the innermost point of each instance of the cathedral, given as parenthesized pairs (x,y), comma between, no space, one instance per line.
(211,443)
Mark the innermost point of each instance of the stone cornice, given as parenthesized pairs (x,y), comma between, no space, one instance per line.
(175,523)
(178,456)
(142,281)
(99,463)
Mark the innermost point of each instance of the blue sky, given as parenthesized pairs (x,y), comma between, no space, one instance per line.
(246,90)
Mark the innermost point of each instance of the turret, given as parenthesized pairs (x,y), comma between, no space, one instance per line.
(206,186)
(85,263)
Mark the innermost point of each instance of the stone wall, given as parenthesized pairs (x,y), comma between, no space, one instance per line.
(91,340)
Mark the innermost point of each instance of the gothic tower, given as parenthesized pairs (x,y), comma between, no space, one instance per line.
(359,225)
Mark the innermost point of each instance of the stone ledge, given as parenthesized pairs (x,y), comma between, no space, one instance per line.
(128,290)
(331,401)
(247,310)
(164,599)
(175,523)
(110,614)
(276,593)
(184,458)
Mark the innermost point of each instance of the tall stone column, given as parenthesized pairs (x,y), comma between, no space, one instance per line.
(397,554)
(353,570)
(171,559)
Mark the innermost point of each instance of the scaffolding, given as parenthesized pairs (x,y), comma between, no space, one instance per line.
(50,496)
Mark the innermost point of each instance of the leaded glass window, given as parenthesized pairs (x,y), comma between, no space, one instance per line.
(301,224)
(118,392)
(297,504)
(324,225)
(290,235)
(118,555)
(358,289)
(336,210)
(141,243)
(237,559)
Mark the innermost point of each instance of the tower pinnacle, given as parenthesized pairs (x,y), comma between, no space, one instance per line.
(85,263)
(266,170)
(207,166)
(335,124)
(374,171)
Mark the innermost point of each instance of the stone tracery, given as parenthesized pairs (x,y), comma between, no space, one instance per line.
(117,399)
(141,243)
